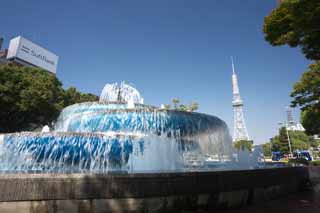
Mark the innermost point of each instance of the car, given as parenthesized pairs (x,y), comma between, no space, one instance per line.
(303,154)
(276,156)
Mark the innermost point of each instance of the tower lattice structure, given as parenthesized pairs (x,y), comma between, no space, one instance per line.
(239,125)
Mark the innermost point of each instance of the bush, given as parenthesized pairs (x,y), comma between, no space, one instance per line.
(315,163)
(299,161)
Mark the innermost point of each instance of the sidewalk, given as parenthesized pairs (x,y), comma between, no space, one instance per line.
(305,202)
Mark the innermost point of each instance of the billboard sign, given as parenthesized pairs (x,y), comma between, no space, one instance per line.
(31,53)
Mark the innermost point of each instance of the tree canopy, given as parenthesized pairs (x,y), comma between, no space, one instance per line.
(193,106)
(175,102)
(295,23)
(267,147)
(298,139)
(310,120)
(243,145)
(31,97)
(306,94)
(72,95)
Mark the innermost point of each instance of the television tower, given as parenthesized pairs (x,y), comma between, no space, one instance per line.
(239,125)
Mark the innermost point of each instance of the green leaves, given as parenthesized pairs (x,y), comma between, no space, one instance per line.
(295,23)
(267,149)
(183,107)
(310,119)
(299,140)
(306,94)
(307,90)
(31,97)
(175,102)
(243,145)
(193,106)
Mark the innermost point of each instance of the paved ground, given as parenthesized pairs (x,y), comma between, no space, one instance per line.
(306,202)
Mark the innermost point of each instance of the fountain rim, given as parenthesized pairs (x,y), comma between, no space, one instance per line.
(71,134)
(147,108)
(109,102)
(109,111)
(149,174)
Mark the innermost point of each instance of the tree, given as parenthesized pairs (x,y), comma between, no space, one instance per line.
(175,102)
(30,98)
(295,23)
(183,107)
(243,145)
(306,94)
(298,139)
(193,106)
(167,106)
(310,119)
(283,141)
(72,96)
(267,147)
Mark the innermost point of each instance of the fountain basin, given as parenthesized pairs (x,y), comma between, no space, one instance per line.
(118,133)
(146,192)
(100,137)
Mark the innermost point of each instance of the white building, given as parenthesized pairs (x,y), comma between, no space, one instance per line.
(292,125)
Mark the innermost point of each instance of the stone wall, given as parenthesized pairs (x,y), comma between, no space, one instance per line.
(78,193)
(314,174)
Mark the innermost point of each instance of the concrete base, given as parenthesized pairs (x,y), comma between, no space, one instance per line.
(79,193)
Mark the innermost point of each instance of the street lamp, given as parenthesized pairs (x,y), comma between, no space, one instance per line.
(289,142)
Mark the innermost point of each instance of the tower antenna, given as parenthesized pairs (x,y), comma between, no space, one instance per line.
(239,126)
(233,71)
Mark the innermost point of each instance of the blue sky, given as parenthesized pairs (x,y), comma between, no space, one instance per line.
(167,48)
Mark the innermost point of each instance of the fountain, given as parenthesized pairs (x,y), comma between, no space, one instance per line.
(118,133)
(119,154)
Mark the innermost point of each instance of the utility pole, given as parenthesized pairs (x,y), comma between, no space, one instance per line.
(288,137)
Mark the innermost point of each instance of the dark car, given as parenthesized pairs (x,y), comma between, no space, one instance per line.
(276,156)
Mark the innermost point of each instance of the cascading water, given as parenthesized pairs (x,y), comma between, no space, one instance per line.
(120,93)
(118,133)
